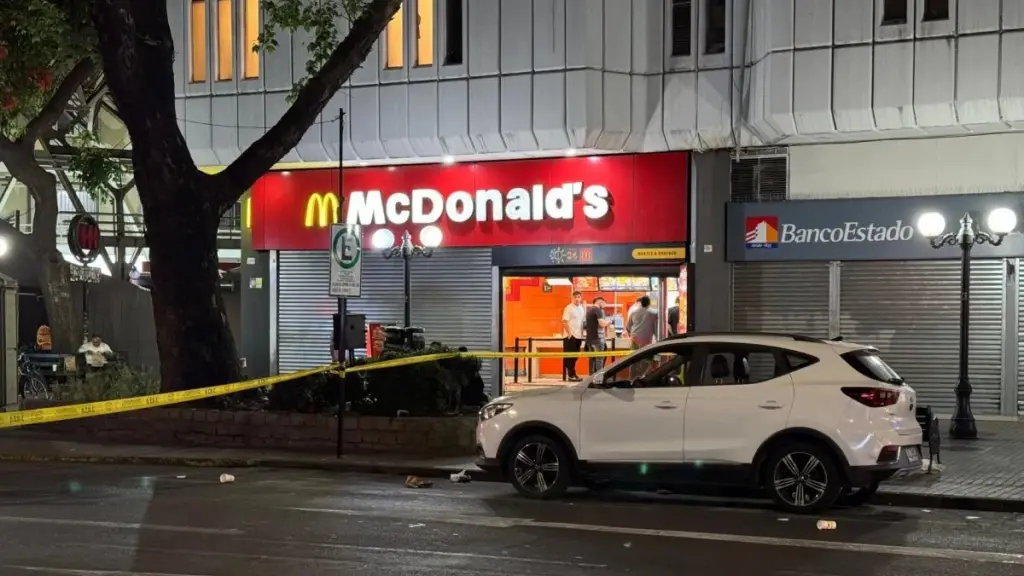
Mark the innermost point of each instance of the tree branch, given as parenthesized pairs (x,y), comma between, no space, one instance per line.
(58,102)
(310,102)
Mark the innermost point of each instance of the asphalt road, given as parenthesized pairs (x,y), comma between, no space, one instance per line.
(95,520)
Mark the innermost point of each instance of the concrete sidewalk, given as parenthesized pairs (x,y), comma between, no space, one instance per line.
(985,474)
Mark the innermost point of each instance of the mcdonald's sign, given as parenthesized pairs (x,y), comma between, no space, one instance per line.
(321,210)
(84,238)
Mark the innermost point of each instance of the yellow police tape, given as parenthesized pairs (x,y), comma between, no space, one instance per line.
(90,409)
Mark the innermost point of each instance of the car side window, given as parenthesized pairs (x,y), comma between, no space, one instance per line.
(666,367)
(737,364)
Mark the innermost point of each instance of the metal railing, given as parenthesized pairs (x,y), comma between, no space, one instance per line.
(230,227)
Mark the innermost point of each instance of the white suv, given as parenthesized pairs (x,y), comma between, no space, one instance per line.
(810,420)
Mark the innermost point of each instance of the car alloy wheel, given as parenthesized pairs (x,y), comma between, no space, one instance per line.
(800,480)
(536,468)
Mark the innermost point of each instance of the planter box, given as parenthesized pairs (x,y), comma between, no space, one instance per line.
(440,436)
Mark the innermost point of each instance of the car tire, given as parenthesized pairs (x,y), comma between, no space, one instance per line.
(538,467)
(802,478)
(857,495)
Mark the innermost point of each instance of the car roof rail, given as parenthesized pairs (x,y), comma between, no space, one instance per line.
(796,337)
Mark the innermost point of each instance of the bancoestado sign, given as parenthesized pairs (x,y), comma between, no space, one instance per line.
(856,229)
(425,206)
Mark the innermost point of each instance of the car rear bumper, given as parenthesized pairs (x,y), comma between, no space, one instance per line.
(904,465)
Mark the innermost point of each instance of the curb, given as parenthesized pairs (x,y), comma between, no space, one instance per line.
(396,469)
(883,498)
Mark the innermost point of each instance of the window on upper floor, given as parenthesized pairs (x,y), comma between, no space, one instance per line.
(682,26)
(251,38)
(714,33)
(453,32)
(225,45)
(935,10)
(394,43)
(424,32)
(894,12)
(197,45)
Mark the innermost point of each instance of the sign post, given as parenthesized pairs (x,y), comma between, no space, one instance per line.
(346,277)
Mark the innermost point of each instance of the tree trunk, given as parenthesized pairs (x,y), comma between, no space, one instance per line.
(52,269)
(195,343)
(66,325)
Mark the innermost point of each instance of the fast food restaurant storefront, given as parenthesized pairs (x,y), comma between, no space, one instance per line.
(859,268)
(517,237)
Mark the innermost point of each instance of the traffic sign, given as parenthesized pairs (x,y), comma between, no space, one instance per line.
(346,261)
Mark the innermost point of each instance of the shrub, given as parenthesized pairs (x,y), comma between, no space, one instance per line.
(116,381)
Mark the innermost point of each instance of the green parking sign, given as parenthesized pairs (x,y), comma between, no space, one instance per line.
(346,261)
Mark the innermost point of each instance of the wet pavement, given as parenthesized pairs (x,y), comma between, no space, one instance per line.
(89,520)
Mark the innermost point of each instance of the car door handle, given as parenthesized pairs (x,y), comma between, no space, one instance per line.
(666,406)
(770,405)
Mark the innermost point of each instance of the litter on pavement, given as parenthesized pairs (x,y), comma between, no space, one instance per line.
(826,525)
(416,482)
(460,477)
(226,478)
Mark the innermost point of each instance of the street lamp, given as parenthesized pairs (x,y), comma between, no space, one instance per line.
(384,240)
(932,225)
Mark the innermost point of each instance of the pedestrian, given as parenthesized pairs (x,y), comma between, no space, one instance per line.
(673,318)
(573,316)
(643,324)
(596,324)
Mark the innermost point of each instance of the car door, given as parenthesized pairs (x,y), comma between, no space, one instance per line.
(743,396)
(635,412)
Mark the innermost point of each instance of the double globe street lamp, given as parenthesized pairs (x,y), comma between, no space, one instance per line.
(384,240)
(932,225)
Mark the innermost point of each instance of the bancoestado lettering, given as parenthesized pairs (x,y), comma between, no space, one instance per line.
(848,232)
(427,206)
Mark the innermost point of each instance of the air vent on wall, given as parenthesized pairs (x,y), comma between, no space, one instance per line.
(759,178)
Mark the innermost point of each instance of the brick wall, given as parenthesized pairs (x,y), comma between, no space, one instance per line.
(277,430)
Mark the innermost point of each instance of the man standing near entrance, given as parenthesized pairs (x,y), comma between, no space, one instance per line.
(595,328)
(573,316)
(673,318)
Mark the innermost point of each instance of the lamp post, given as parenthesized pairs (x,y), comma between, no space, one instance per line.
(384,240)
(932,225)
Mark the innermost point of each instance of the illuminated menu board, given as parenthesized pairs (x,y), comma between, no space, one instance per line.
(624,283)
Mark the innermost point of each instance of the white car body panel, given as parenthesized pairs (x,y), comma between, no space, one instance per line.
(719,424)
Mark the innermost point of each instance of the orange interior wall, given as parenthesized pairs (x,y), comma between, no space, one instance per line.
(531,312)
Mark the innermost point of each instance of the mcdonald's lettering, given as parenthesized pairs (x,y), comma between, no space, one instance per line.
(321,210)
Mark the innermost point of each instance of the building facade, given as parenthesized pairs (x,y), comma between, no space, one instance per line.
(805,111)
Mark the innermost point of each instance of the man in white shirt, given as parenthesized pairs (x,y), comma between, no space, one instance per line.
(573,316)
(96,352)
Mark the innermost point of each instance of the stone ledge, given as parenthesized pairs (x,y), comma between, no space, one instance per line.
(440,436)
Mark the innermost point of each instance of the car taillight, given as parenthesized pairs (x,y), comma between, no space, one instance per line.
(873,397)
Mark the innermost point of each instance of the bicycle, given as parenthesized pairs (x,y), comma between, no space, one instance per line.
(30,380)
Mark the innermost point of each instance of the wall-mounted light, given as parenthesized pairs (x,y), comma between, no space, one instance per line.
(571,152)
(448,160)
(382,239)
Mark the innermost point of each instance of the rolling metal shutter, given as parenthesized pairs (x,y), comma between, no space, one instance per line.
(910,312)
(790,297)
(304,308)
(452,300)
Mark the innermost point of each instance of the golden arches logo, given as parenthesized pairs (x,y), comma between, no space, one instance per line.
(321,210)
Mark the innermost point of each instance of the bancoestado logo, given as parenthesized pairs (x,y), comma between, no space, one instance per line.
(766,232)
(427,206)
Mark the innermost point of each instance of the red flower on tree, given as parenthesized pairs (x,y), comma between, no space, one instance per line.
(8,103)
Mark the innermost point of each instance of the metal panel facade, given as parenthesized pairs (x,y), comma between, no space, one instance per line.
(788,297)
(910,312)
(452,295)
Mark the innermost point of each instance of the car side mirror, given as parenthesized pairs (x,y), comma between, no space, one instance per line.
(673,381)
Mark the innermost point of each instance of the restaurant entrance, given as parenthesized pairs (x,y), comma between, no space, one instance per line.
(533,301)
